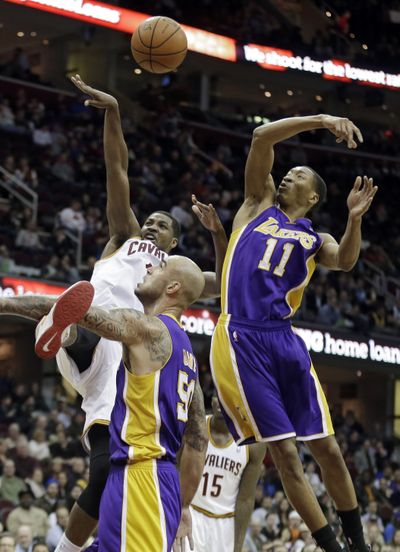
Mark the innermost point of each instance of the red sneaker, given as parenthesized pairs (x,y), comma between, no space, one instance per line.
(69,308)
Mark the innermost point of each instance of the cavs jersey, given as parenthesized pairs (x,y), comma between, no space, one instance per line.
(268,264)
(151,411)
(115,277)
(141,507)
(217,493)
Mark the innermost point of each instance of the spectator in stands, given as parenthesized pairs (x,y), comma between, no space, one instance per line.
(24,539)
(183,214)
(38,445)
(40,546)
(72,217)
(364,458)
(28,237)
(35,483)
(48,502)
(42,136)
(7,543)
(7,265)
(57,530)
(6,114)
(27,514)
(10,484)
(14,433)
(254,538)
(329,314)
(24,463)
(51,271)
(63,168)
(372,516)
(68,272)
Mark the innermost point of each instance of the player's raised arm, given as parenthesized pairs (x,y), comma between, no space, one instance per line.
(209,218)
(344,256)
(259,185)
(121,219)
(246,495)
(191,465)
(28,306)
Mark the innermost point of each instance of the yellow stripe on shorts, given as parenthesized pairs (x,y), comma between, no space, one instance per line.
(323,404)
(228,384)
(144,524)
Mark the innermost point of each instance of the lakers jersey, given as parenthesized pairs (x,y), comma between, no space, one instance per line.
(217,493)
(268,264)
(151,411)
(116,277)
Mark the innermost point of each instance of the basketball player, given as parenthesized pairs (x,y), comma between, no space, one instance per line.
(224,500)
(156,382)
(266,383)
(88,361)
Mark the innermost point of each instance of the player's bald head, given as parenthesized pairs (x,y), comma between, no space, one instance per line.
(189,275)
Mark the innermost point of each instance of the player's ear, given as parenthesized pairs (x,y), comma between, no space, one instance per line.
(173,287)
(174,243)
(313,199)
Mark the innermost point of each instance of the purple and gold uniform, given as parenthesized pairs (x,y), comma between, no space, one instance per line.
(266,383)
(140,508)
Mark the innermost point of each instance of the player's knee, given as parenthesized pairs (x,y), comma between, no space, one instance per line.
(329,453)
(286,459)
(99,471)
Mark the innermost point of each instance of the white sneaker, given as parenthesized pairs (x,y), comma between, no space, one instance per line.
(69,308)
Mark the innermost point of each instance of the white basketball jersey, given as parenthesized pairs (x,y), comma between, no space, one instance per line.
(115,277)
(219,486)
(114,280)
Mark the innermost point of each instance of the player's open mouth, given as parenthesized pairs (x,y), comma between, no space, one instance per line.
(150,236)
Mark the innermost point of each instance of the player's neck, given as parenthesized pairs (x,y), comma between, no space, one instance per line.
(219,430)
(292,213)
(161,307)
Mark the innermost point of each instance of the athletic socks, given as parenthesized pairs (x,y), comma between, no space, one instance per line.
(66,545)
(325,539)
(352,529)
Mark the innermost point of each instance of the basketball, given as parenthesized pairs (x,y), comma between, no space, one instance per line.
(159,45)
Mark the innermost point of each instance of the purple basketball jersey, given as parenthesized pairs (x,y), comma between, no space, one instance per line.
(268,264)
(151,411)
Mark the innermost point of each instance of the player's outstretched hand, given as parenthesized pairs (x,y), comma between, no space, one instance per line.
(343,129)
(98,99)
(184,531)
(207,215)
(361,196)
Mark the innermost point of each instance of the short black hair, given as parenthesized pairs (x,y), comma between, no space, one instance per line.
(319,187)
(176,227)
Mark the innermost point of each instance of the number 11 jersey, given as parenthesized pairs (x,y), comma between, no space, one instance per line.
(268,265)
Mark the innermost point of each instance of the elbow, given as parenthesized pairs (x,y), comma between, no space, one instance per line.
(346,266)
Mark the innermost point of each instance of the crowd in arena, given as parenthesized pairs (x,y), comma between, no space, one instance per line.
(348,26)
(43,469)
(55,148)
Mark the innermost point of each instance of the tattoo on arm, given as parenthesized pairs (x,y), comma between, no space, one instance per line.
(35,306)
(196,430)
(130,327)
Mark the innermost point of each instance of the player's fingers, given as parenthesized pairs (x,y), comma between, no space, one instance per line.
(93,103)
(367,185)
(191,542)
(357,132)
(197,211)
(194,199)
(357,183)
(349,135)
